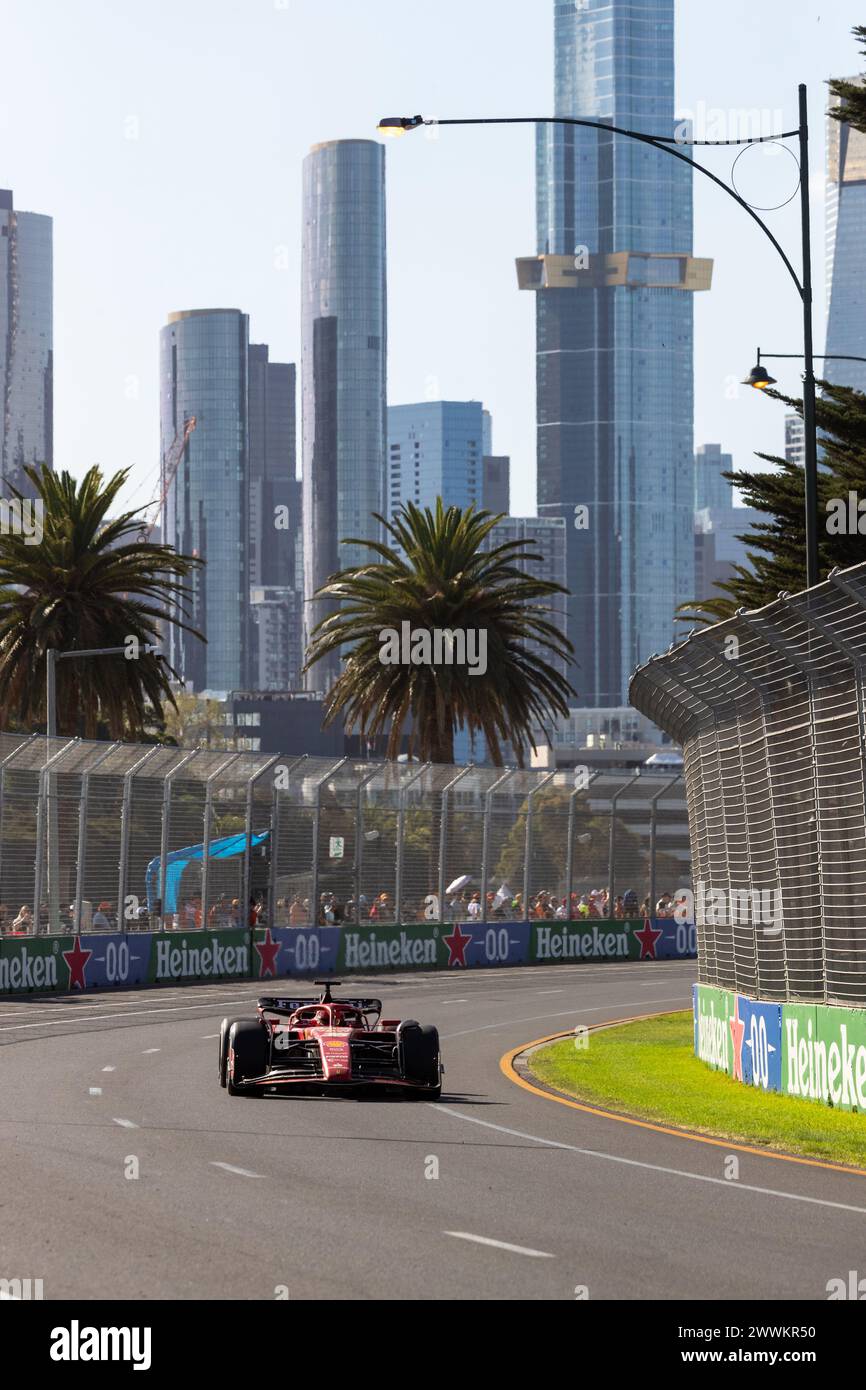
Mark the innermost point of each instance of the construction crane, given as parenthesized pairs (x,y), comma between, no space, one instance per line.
(171,464)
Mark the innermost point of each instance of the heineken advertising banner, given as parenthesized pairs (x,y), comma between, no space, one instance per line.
(105,961)
(811,1051)
(112,960)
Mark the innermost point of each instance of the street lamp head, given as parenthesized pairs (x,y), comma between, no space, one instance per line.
(399,125)
(759,378)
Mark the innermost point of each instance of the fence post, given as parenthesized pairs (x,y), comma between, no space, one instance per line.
(527,842)
(611,867)
(205,859)
(359,839)
(44,776)
(485,841)
(125,812)
(275,835)
(248,835)
(654,800)
(164,828)
(82,833)
(25,743)
(317,815)
(443,835)
(401,830)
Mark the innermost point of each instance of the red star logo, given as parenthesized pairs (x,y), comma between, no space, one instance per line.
(457,944)
(77,959)
(647,937)
(738,1032)
(268,951)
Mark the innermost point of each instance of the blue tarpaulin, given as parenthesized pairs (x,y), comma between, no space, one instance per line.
(177,860)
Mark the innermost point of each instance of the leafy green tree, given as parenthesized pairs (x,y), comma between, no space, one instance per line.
(777,546)
(87,582)
(438,575)
(851,94)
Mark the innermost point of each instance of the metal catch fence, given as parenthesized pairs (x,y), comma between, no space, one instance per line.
(107,837)
(770,707)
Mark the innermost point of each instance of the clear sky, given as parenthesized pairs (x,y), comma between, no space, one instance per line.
(166,140)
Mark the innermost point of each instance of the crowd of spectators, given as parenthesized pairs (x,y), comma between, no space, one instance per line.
(295,911)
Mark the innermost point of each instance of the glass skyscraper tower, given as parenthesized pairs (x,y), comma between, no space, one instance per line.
(26,343)
(846,252)
(614,279)
(343,362)
(204,373)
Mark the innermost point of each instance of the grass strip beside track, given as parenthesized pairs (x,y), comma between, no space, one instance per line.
(648,1069)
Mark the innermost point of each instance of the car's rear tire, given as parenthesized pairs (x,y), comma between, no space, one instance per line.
(224,1045)
(421,1060)
(247,1056)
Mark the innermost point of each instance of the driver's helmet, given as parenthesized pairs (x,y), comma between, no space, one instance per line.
(348,1018)
(320,1019)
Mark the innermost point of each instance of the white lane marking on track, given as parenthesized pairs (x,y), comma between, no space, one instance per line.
(95,1091)
(206,1037)
(453,1001)
(240,1172)
(109,1068)
(501,1245)
(133,1013)
(575,1009)
(549,991)
(648,1167)
(147,1051)
(124,1124)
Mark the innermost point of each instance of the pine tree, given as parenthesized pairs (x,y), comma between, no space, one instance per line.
(777,546)
(852,95)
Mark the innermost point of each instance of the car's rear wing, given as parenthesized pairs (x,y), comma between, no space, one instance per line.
(288,1004)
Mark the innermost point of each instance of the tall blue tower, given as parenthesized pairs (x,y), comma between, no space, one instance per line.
(614,277)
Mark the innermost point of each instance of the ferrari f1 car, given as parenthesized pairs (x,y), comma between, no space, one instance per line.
(323,1044)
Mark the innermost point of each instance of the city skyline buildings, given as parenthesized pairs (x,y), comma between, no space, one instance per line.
(845,217)
(613,278)
(204,359)
(26,343)
(343,364)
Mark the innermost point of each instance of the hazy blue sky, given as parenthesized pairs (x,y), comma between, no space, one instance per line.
(166,140)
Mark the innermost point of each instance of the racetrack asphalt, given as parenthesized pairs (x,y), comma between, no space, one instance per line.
(334,1199)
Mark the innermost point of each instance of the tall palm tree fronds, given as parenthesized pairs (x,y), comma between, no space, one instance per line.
(436,576)
(86,582)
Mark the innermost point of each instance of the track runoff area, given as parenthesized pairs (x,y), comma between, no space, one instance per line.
(135,1185)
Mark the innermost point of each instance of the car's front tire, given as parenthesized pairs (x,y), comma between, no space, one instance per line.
(247,1056)
(422,1062)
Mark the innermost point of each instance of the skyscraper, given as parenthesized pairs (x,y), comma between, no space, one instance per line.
(343,362)
(846,252)
(275,494)
(26,343)
(614,279)
(204,372)
(711,488)
(435,449)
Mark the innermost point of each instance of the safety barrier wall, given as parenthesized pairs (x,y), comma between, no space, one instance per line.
(812,1051)
(770,707)
(117,960)
(125,837)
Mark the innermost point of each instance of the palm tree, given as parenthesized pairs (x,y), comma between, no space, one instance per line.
(86,582)
(439,578)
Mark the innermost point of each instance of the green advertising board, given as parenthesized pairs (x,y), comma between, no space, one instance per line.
(824,1055)
(714,1009)
(199,956)
(37,963)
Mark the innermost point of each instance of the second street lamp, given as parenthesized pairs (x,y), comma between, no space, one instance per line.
(402,125)
(760,378)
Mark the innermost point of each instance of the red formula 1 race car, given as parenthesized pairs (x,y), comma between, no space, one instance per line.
(324,1044)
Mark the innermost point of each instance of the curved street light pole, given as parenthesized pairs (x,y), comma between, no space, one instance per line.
(402,125)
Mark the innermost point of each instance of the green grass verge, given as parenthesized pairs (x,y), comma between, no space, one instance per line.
(649,1070)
